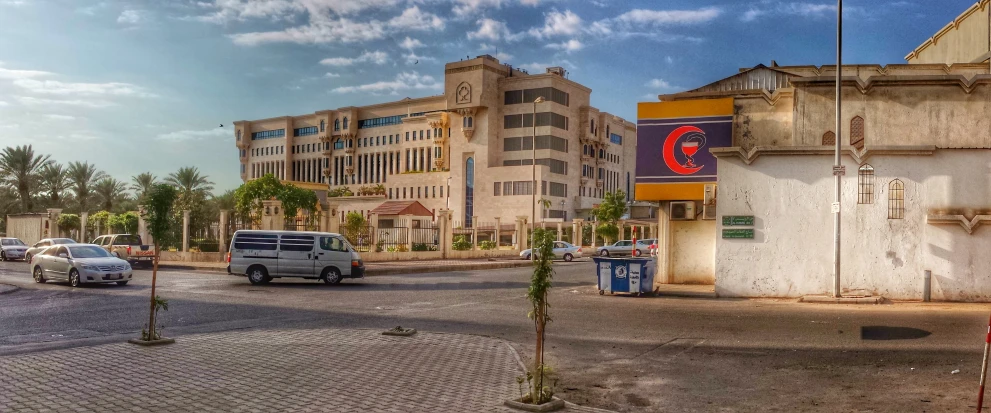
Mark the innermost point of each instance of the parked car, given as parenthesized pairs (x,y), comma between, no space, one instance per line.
(79,264)
(127,247)
(12,249)
(45,243)
(652,246)
(623,248)
(264,255)
(562,250)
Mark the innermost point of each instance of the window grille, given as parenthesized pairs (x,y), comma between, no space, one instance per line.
(857,132)
(829,138)
(865,184)
(896,200)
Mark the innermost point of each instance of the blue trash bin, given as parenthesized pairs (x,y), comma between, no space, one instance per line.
(625,275)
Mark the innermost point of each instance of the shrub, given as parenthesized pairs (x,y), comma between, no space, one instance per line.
(461,243)
(379,245)
(487,245)
(424,247)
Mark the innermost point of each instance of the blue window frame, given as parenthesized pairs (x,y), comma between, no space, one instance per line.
(617,139)
(311,130)
(268,134)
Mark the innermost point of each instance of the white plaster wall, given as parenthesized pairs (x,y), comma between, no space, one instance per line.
(791,254)
(27,228)
(693,247)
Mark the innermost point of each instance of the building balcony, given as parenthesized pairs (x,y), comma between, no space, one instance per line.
(349,151)
(328,152)
(584,181)
(599,184)
(243,144)
(587,159)
(325,138)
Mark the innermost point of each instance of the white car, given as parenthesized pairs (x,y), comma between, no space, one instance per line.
(79,264)
(562,250)
(12,249)
(45,243)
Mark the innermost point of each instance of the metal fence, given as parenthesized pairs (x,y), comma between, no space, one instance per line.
(461,231)
(393,235)
(235,223)
(485,231)
(506,236)
(303,221)
(425,236)
(361,238)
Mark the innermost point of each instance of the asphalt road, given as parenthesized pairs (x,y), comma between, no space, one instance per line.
(616,352)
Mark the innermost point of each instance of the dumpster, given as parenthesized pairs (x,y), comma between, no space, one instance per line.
(625,275)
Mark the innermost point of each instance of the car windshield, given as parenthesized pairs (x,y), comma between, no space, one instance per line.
(88,251)
(10,242)
(63,241)
(127,240)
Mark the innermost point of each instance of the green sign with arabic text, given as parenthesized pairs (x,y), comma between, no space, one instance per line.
(738,220)
(738,233)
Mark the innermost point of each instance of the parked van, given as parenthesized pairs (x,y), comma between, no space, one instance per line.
(264,255)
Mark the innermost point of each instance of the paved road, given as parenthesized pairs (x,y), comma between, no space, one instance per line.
(624,353)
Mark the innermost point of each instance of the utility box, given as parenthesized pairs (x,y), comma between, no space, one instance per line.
(625,275)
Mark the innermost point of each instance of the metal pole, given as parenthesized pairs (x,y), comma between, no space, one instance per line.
(984,369)
(836,175)
(927,287)
(533,171)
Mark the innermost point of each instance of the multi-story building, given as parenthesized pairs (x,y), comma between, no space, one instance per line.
(469,150)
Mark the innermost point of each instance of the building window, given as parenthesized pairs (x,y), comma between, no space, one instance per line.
(337,124)
(323,125)
(497,189)
(865,184)
(857,132)
(238,134)
(407,136)
(268,134)
(345,122)
(896,200)
(469,191)
(829,138)
(311,130)
(617,139)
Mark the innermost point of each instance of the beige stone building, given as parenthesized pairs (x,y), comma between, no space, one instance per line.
(916,197)
(468,150)
(967,39)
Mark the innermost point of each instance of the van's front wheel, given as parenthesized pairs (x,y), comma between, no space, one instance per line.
(331,276)
(258,275)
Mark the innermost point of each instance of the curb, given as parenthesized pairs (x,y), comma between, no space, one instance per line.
(823,299)
(7,288)
(382,271)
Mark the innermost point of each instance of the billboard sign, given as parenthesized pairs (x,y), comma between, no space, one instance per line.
(673,142)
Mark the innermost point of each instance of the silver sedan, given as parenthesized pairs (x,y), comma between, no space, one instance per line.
(45,243)
(622,248)
(79,264)
(562,250)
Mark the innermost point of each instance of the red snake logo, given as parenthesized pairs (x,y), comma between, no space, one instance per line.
(694,140)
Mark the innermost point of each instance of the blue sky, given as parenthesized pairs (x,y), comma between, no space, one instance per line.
(138,86)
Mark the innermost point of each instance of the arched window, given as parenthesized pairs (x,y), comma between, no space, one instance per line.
(464,122)
(337,124)
(829,138)
(865,184)
(469,191)
(857,132)
(345,122)
(607,131)
(471,121)
(323,125)
(591,128)
(896,199)
(238,134)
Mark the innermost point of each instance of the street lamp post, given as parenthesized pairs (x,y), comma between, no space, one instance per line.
(533,171)
(448,193)
(837,168)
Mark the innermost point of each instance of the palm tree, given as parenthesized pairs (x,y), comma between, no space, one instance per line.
(54,182)
(142,183)
(19,167)
(190,185)
(82,176)
(108,191)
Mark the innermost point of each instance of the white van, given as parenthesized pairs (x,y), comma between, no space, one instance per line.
(264,255)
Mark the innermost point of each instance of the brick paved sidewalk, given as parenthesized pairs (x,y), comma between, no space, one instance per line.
(269,371)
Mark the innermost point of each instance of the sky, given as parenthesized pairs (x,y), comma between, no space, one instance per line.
(143,86)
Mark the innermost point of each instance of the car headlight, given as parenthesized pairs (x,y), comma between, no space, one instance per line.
(90,268)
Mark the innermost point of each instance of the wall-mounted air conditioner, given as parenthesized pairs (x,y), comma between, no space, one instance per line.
(682,211)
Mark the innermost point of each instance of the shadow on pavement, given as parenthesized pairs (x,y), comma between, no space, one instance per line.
(892,333)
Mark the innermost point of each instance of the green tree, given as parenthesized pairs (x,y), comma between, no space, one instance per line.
(82,177)
(158,215)
(540,285)
(101,219)
(54,180)
(610,211)
(108,191)
(141,184)
(354,222)
(19,168)
(190,184)
(248,197)
(126,223)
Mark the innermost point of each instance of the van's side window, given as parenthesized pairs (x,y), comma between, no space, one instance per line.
(331,244)
(256,241)
(301,243)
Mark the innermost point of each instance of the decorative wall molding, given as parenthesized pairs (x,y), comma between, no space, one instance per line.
(968,85)
(859,156)
(967,224)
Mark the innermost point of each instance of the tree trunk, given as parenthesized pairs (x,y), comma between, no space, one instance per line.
(151,311)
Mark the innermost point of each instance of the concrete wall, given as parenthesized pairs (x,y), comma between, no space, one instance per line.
(27,228)
(961,41)
(693,247)
(791,254)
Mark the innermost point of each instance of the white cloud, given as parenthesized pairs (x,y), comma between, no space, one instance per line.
(60,117)
(2,104)
(413,58)
(802,9)
(14,3)
(331,75)
(669,59)
(130,17)
(569,46)
(228,10)
(403,81)
(91,10)
(415,19)
(558,24)
(752,14)
(541,67)
(410,44)
(21,74)
(503,57)
(469,7)
(96,104)
(669,17)
(323,31)
(376,57)
(191,135)
(82,137)
(659,84)
(489,29)
(55,87)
